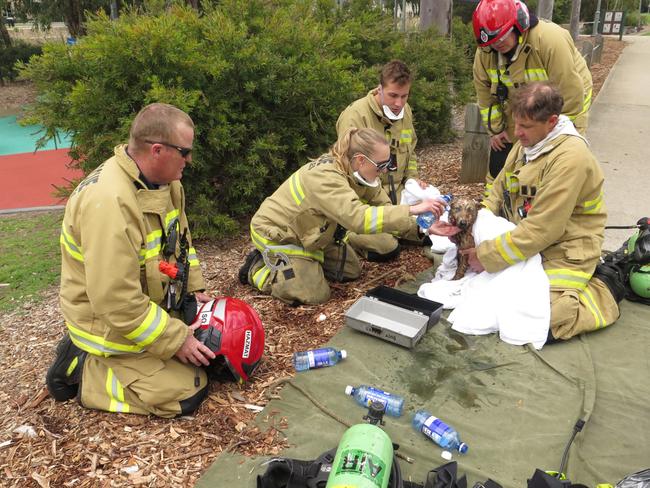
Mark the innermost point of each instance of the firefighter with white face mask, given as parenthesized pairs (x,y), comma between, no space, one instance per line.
(385,108)
(300,232)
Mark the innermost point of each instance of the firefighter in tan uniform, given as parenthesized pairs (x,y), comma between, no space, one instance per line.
(552,188)
(126,350)
(516,48)
(385,109)
(299,231)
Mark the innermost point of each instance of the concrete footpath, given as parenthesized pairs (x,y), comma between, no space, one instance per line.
(619,134)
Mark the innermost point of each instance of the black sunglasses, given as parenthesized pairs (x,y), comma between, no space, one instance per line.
(185,151)
(381,165)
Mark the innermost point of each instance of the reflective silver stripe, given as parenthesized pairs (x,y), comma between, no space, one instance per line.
(92,347)
(143,336)
(220,310)
(260,276)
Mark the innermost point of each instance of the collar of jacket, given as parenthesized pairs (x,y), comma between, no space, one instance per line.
(378,111)
(150,201)
(549,147)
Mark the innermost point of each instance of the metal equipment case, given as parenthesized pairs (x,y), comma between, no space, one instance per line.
(393,315)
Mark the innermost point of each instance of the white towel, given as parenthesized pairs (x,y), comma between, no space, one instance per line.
(412,194)
(515,301)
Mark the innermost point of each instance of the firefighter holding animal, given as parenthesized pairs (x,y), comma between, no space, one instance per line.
(516,48)
(299,232)
(551,187)
(386,110)
(127,349)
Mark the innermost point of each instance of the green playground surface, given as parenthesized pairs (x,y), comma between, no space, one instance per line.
(17,139)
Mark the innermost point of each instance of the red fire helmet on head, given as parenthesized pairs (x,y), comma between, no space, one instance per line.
(494,19)
(232,329)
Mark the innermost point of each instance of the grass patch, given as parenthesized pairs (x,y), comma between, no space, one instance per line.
(30,259)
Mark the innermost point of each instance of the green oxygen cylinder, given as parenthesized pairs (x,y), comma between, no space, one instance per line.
(364,459)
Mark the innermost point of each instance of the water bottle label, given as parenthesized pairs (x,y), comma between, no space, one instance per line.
(364,464)
(375,395)
(433,426)
(318,358)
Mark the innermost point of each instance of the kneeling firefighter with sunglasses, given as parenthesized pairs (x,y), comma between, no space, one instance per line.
(130,280)
(299,232)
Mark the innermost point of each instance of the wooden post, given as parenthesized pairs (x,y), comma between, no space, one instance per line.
(476,147)
(575,19)
(545,9)
(437,13)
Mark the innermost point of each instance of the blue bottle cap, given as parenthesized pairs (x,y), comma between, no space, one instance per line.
(463,448)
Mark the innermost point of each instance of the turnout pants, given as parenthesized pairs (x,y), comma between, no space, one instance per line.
(380,244)
(142,384)
(575,311)
(303,279)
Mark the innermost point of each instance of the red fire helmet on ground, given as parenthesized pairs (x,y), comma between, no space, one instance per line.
(231,328)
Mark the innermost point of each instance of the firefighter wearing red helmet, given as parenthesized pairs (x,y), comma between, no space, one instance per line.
(515,48)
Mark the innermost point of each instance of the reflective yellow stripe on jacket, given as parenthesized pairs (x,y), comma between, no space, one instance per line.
(69,244)
(585,105)
(406,136)
(567,278)
(508,250)
(192,258)
(593,206)
(262,243)
(148,331)
(115,392)
(151,327)
(297,192)
(373,220)
(495,115)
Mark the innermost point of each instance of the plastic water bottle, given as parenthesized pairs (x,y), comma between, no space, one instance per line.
(318,358)
(364,394)
(439,432)
(425,219)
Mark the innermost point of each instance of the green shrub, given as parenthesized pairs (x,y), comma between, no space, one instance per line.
(634,19)
(20,51)
(263,81)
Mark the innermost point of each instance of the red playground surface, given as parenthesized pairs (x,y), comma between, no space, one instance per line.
(28,179)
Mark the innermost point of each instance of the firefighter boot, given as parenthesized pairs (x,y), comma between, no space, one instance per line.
(65,373)
(244,271)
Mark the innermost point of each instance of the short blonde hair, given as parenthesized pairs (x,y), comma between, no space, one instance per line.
(157,122)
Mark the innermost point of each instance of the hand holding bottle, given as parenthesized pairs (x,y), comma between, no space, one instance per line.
(434,205)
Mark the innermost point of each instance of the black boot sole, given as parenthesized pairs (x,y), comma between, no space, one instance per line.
(56,380)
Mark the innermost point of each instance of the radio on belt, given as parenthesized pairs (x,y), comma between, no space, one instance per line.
(393,315)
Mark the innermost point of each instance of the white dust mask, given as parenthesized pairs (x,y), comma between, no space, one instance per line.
(387,111)
(364,182)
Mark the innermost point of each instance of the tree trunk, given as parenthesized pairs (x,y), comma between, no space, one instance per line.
(436,12)
(194,4)
(575,19)
(72,16)
(4,33)
(114,11)
(545,9)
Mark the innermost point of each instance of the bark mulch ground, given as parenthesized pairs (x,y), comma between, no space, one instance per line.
(43,443)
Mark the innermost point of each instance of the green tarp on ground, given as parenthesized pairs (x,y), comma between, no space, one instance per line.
(515,407)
